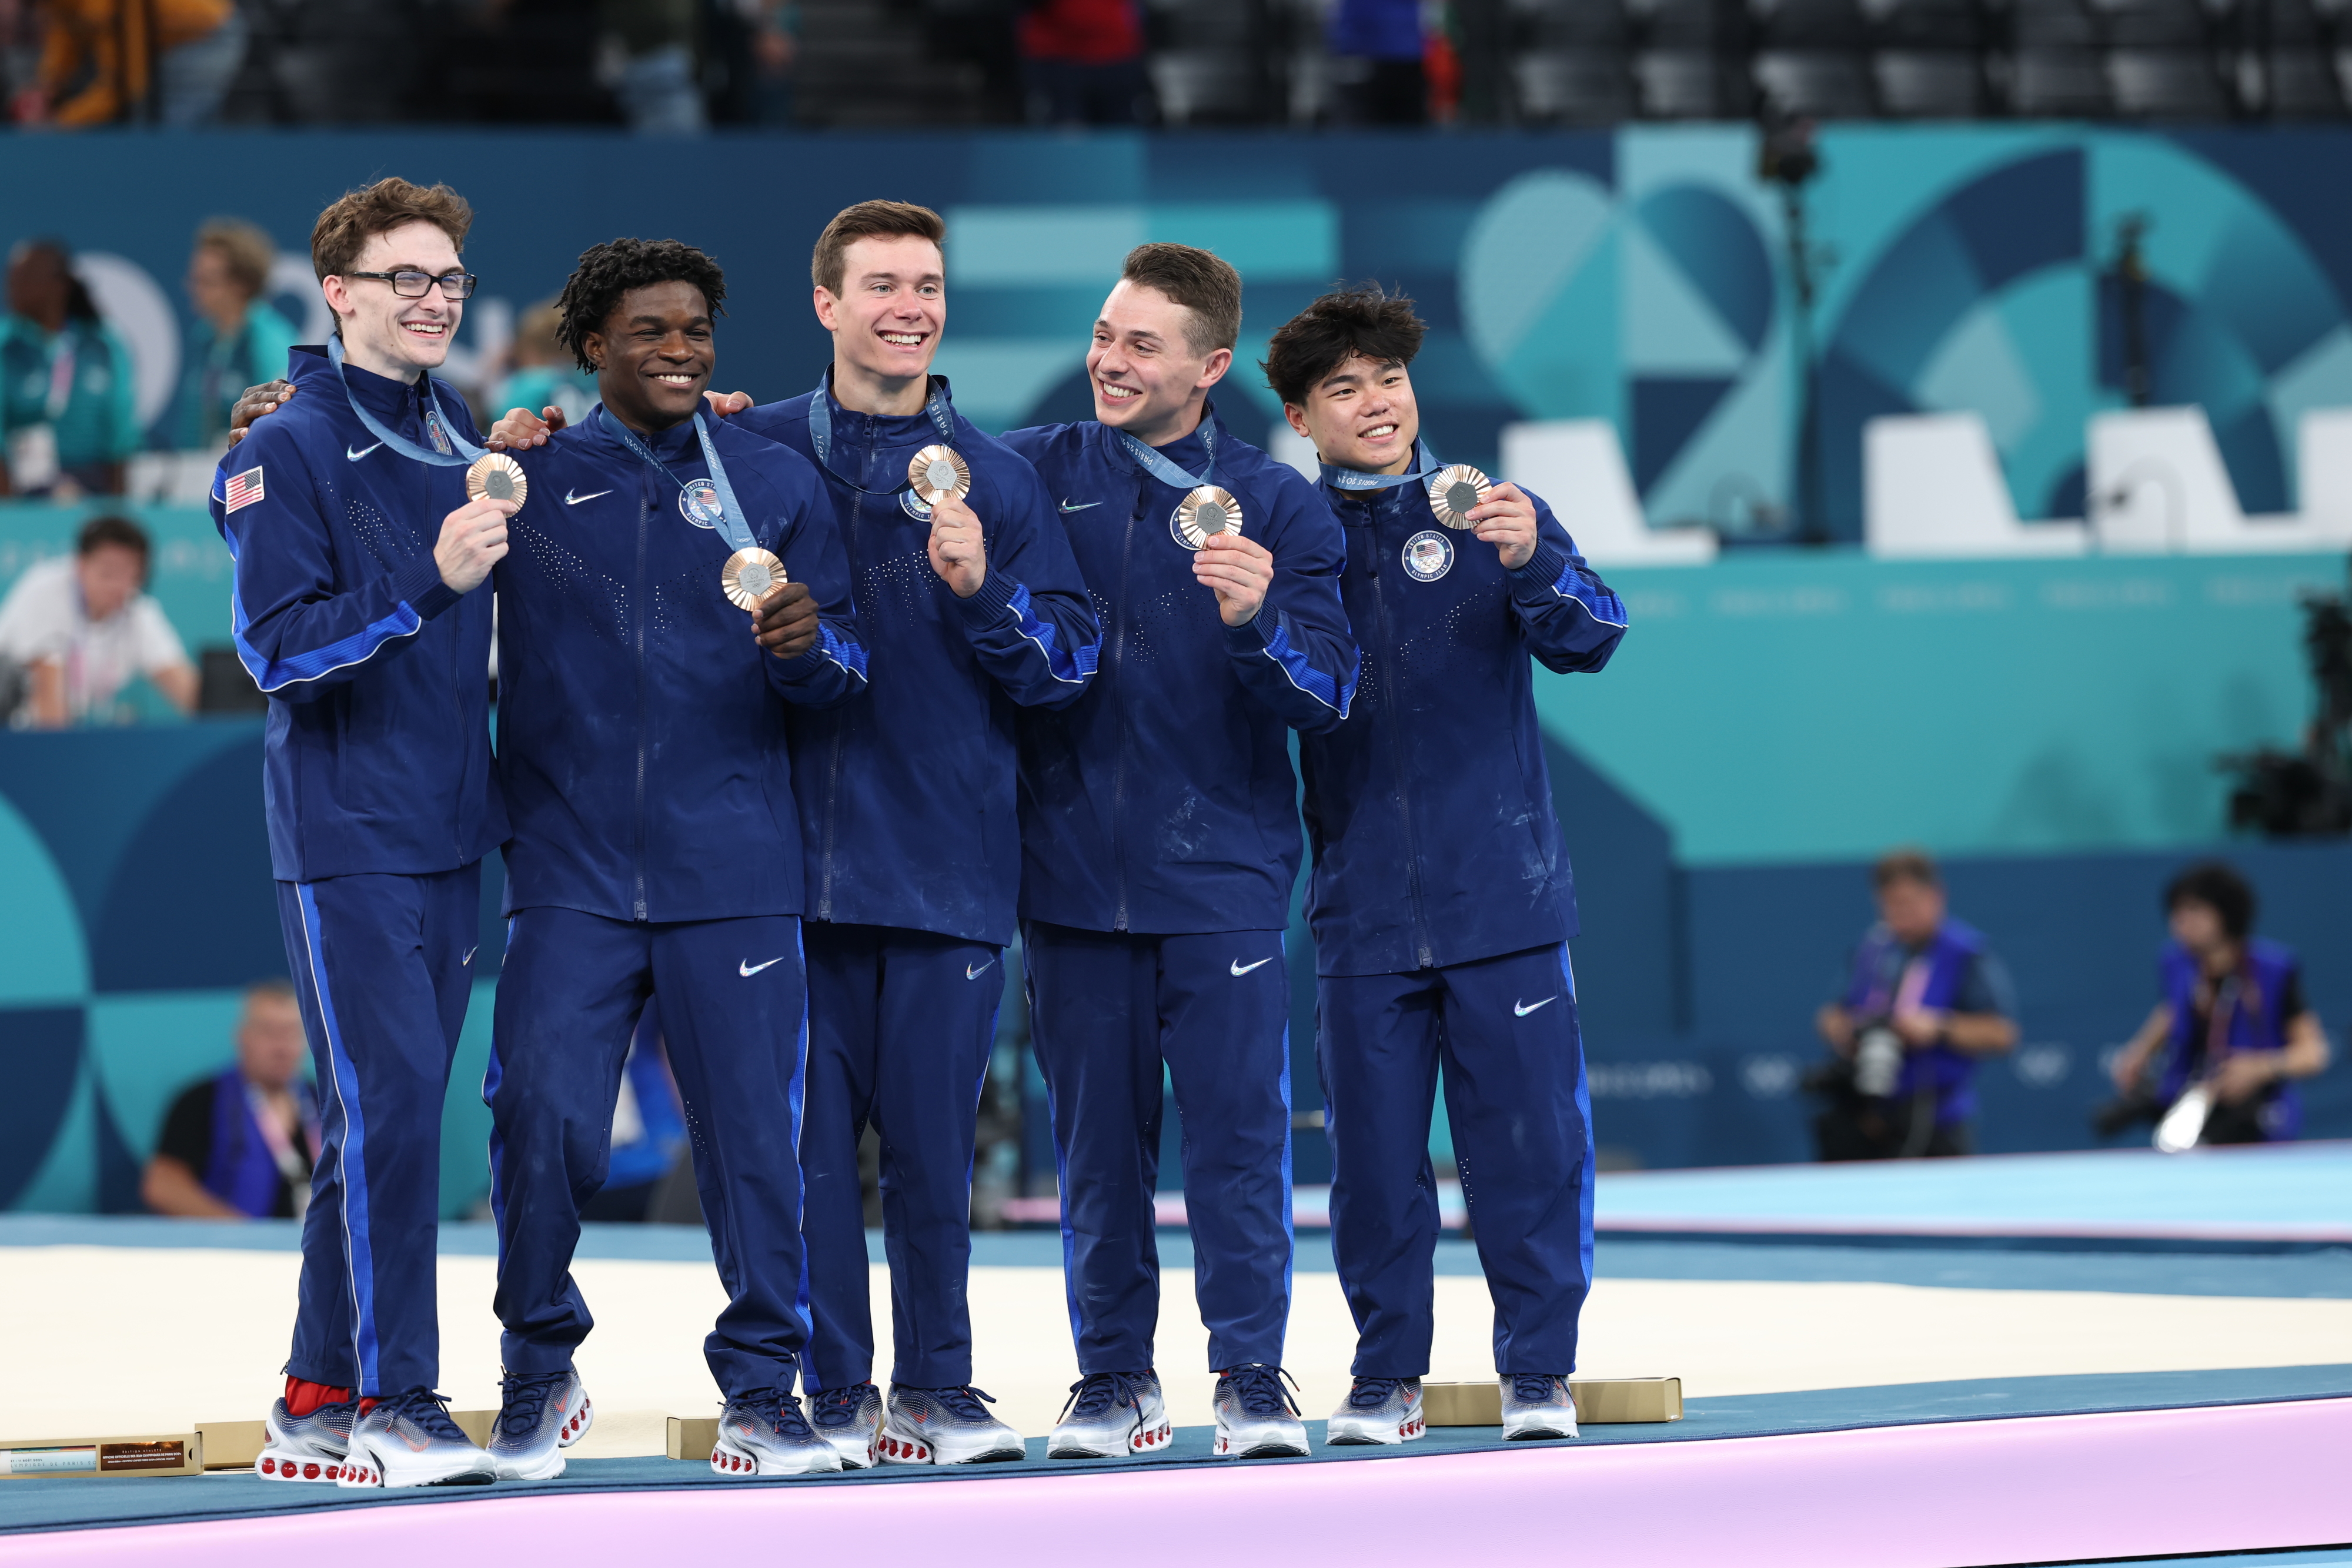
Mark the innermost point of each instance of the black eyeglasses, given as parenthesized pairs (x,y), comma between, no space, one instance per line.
(412,285)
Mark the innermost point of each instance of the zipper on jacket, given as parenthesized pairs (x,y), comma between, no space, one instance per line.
(840,735)
(1391,696)
(645,515)
(1117,664)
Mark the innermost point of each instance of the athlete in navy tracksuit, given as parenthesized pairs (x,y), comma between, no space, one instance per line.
(657,846)
(376,772)
(1441,898)
(910,823)
(1159,841)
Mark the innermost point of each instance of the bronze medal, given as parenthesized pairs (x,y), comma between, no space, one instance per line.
(1453,491)
(938,472)
(750,576)
(495,476)
(1207,509)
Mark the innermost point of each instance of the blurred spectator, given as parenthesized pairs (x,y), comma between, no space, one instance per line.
(237,341)
(80,627)
(2233,1023)
(648,1129)
(104,61)
(1377,70)
(1082,62)
(649,64)
(1924,999)
(748,76)
(541,372)
(241,1146)
(68,405)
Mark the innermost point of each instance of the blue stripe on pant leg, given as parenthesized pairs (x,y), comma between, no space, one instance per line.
(1289,1136)
(1584,1110)
(350,1158)
(797,1097)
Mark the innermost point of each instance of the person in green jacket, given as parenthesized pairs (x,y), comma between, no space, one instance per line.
(237,340)
(67,395)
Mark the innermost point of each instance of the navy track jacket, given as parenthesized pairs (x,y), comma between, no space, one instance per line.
(377,754)
(1430,809)
(907,799)
(1162,802)
(641,730)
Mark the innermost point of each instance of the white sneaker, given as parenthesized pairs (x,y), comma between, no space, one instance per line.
(851,1420)
(408,1441)
(1112,1413)
(1378,1410)
(1536,1405)
(306,1447)
(944,1427)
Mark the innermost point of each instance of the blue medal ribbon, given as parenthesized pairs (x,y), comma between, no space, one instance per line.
(821,430)
(1357,479)
(467,452)
(732,525)
(1167,473)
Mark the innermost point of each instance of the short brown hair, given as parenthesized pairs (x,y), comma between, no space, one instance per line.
(121,532)
(343,230)
(1366,321)
(243,249)
(870,220)
(1906,865)
(1202,282)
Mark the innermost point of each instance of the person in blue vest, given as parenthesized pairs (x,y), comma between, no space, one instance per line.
(1926,999)
(2234,1021)
(677,588)
(357,608)
(1159,844)
(1441,899)
(974,610)
(240,1145)
(68,394)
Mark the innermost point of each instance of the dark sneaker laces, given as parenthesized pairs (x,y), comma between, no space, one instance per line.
(839,1406)
(1259,1389)
(782,1414)
(428,1412)
(1532,1387)
(1099,1391)
(1369,1392)
(523,1398)
(963,1403)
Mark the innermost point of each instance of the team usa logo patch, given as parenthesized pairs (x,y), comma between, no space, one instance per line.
(914,507)
(699,502)
(1428,556)
(242,489)
(440,436)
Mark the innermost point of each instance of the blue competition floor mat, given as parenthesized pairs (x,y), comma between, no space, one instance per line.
(82,1504)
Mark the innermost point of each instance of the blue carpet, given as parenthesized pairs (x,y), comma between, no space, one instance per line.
(43,1504)
(2313,1274)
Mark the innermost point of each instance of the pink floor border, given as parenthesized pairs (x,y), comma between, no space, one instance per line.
(1937,1496)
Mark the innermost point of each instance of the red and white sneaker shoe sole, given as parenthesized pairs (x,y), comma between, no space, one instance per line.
(577,1427)
(1152,1439)
(737,1465)
(277,1465)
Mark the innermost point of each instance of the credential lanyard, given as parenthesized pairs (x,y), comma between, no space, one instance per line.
(821,431)
(1167,473)
(732,525)
(1357,479)
(467,452)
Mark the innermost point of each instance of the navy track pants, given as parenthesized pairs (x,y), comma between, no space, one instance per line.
(1106,1011)
(382,966)
(734,1016)
(1522,1118)
(901,1026)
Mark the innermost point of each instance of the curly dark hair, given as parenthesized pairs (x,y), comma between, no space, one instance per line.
(609,270)
(2218,885)
(1366,319)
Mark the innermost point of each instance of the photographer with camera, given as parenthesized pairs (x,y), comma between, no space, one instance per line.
(1923,999)
(2217,1060)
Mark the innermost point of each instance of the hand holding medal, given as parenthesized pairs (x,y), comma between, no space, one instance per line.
(941,479)
(1238,569)
(1501,513)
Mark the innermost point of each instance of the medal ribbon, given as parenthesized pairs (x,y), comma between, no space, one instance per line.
(1357,479)
(821,431)
(732,525)
(1167,473)
(409,449)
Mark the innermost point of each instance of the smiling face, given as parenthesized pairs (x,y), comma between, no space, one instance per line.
(654,355)
(1361,416)
(382,332)
(886,322)
(1148,379)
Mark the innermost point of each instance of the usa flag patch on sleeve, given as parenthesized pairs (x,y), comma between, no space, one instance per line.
(242,489)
